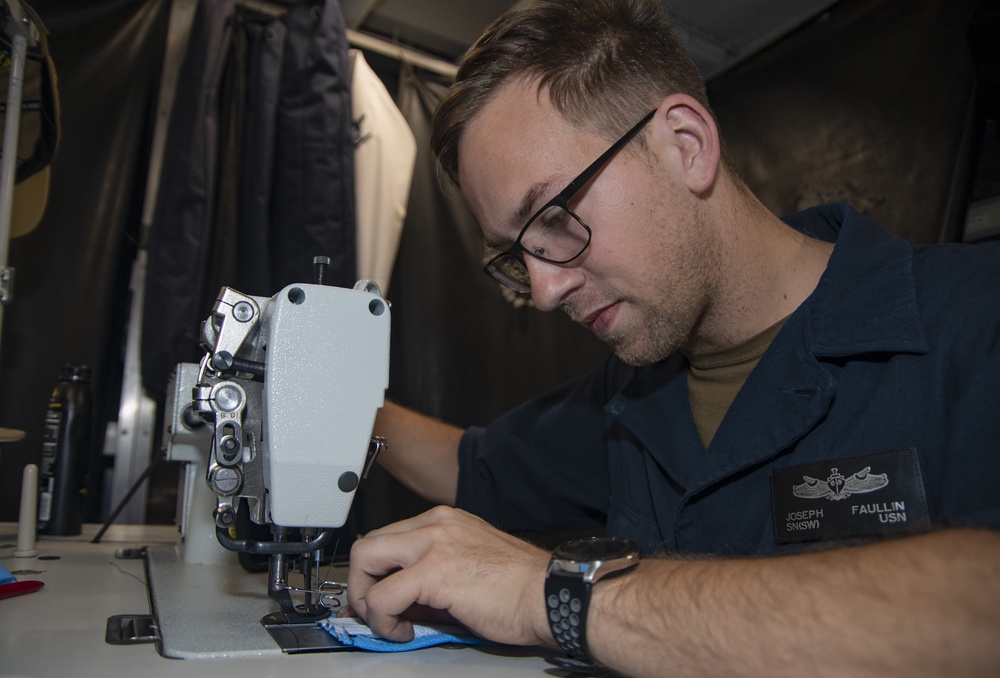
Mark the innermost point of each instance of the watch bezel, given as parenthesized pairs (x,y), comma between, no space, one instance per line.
(594,557)
(584,549)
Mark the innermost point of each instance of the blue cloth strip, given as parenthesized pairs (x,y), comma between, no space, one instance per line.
(351,631)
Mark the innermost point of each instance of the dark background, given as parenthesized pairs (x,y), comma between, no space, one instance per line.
(886,104)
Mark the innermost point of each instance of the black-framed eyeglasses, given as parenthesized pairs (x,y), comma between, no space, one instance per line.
(555,233)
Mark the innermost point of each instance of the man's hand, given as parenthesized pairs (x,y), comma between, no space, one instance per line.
(449,561)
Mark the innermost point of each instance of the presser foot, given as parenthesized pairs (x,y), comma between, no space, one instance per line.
(300,633)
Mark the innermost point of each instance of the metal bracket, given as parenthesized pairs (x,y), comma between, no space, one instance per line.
(131,629)
(6,284)
(376,446)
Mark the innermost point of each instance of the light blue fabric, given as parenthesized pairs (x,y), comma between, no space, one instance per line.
(351,631)
(5,576)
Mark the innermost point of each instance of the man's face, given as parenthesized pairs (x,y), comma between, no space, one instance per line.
(646,279)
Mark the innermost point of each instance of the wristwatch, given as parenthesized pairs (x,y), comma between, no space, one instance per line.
(573,570)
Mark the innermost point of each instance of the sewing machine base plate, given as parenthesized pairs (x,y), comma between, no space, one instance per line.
(209,611)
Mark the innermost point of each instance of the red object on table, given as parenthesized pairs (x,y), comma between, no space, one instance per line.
(19,588)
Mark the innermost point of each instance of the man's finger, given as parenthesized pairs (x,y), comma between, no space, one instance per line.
(373,559)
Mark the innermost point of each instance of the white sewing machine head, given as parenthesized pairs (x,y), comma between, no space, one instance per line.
(319,357)
(282,406)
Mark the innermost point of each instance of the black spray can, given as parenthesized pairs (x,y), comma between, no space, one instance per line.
(65,454)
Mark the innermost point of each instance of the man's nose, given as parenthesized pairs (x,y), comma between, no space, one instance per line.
(551,283)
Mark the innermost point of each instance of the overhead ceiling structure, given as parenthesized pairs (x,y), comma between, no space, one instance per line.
(718,33)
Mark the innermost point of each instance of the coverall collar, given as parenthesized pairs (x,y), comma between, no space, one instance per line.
(859,307)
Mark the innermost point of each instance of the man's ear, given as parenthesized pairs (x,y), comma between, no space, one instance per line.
(693,139)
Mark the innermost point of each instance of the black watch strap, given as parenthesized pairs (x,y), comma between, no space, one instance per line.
(567,599)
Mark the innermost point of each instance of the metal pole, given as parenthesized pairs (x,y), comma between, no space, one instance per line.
(17,28)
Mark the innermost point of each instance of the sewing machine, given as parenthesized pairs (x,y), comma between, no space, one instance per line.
(277,419)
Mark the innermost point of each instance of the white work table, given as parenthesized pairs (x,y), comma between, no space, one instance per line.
(60,629)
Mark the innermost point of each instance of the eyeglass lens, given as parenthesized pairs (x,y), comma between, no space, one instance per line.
(555,235)
(508,269)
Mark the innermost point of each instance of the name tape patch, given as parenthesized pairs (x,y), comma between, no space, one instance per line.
(875,494)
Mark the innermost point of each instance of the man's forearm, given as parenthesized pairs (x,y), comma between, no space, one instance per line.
(927,605)
(422,454)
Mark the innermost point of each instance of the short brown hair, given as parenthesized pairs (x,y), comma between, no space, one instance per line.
(604,62)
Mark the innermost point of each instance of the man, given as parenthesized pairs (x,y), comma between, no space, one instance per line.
(816,392)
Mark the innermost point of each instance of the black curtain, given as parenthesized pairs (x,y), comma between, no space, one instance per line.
(72,271)
(872,103)
(258,175)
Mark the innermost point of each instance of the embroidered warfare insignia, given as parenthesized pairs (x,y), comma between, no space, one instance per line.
(836,487)
(885,497)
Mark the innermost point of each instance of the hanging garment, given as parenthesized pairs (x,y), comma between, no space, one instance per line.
(259,173)
(312,203)
(178,240)
(384,158)
(267,42)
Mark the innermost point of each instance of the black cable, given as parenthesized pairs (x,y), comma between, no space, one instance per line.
(128,495)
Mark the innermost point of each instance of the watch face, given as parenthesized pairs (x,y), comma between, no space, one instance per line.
(596,548)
